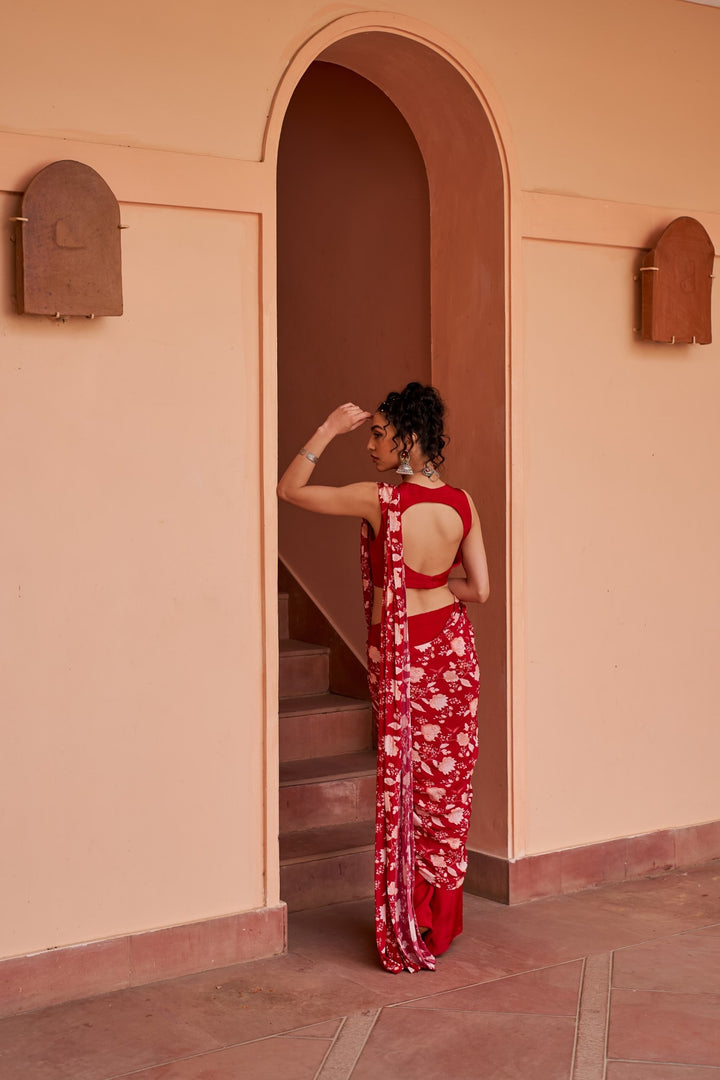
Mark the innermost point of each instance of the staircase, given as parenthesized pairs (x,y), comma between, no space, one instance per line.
(327,781)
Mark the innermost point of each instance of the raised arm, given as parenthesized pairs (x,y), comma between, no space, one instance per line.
(351,500)
(474,588)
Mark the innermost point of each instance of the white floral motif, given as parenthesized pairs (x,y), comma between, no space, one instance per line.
(412,837)
(391,745)
(430,731)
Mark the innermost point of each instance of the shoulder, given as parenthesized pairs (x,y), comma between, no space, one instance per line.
(466,507)
(471,505)
(460,495)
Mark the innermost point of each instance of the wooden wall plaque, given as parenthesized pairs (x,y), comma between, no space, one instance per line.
(676,285)
(68,244)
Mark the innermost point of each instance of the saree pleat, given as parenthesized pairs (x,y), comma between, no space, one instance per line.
(425,702)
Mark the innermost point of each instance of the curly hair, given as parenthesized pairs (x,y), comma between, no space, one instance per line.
(418,410)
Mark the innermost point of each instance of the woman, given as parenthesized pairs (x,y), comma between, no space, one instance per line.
(422,667)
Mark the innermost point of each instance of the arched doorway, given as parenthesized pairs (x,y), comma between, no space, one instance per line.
(458,338)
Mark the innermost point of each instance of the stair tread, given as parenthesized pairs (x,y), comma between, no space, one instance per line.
(302,648)
(299,704)
(326,842)
(319,770)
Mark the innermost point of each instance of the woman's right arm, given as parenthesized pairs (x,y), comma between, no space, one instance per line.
(351,500)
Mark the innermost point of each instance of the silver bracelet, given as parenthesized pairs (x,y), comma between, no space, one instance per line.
(312,458)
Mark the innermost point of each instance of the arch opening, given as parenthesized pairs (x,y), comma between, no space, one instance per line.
(450,330)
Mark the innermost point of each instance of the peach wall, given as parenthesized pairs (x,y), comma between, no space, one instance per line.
(136,736)
(622,578)
(590,111)
(139,538)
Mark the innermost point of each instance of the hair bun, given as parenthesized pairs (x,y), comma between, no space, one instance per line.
(418,410)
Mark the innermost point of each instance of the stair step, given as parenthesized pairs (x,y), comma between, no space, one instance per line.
(327,842)
(283,615)
(327,791)
(304,668)
(321,770)
(327,866)
(336,879)
(320,725)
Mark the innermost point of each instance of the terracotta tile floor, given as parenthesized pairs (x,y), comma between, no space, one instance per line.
(616,983)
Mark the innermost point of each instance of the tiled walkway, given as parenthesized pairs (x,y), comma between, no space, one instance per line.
(621,983)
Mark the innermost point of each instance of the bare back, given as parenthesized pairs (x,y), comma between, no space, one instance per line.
(432,533)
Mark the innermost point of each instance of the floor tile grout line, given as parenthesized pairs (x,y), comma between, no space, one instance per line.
(654,990)
(344,1053)
(577,1017)
(219,1049)
(365,1040)
(682,1064)
(330,1048)
(304,1027)
(590,1057)
(491,1012)
(664,937)
(606,1043)
(173,1061)
(486,982)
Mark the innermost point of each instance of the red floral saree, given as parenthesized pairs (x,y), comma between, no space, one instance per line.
(425,702)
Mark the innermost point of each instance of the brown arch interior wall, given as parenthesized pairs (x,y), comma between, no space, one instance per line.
(467,344)
(353,301)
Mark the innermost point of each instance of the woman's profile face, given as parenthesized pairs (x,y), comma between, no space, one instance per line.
(384,450)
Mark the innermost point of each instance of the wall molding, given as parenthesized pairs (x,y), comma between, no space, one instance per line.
(574,219)
(99,967)
(174,178)
(515,881)
(142,175)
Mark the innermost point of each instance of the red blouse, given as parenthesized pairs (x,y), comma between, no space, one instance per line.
(410,495)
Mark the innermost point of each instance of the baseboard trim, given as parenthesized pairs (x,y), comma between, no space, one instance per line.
(98,967)
(571,869)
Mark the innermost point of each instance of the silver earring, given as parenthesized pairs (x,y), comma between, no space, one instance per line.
(404,468)
(430,472)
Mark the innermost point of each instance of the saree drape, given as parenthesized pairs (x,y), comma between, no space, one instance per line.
(425,703)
